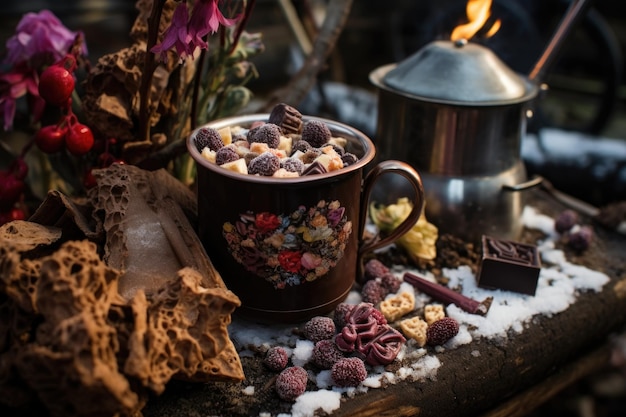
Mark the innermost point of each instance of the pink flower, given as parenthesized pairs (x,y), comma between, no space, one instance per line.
(186,33)
(177,35)
(15,84)
(40,36)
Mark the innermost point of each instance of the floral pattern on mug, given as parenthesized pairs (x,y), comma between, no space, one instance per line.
(290,249)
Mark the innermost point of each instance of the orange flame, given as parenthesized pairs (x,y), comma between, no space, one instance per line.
(478,12)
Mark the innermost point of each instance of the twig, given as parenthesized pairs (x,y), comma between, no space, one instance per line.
(300,84)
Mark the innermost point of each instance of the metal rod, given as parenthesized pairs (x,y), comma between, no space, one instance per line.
(571,16)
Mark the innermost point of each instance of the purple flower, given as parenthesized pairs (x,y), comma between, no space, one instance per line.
(177,35)
(186,32)
(40,36)
(15,84)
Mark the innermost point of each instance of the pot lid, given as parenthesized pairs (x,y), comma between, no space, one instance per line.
(458,72)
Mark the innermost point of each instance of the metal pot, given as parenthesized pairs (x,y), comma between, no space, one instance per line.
(458,114)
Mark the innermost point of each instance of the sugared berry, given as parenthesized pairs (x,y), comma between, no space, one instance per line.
(316,133)
(373,292)
(565,221)
(293,165)
(301,145)
(276,358)
(291,383)
(265,164)
(319,328)
(340,313)
(208,137)
(580,239)
(390,282)
(374,269)
(268,133)
(79,139)
(348,372)
(50,139)
(326,353)
(226,154)
(56,84)
(442,330)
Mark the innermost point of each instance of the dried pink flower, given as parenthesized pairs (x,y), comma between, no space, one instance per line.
(40,36)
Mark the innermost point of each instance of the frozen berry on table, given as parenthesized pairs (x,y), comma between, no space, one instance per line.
(265,164)
(226,154)
(50,139)
(442,330)
(268,133)
(580,239)
(565,221)
(319,328)
(316,133)
(348,372)
(373,292)
(56,85)
(291,383)
(340,314)
(326,354)
(79,139)
(208,137)
(390,282)
(276,358)
(374,269)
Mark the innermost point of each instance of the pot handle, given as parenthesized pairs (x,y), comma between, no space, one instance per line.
(531,183)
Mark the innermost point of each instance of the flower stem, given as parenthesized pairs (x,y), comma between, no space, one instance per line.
(149,66)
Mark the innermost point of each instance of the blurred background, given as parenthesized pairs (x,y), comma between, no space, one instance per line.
(583,108)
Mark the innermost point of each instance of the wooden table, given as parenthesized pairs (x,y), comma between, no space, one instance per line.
(505,380)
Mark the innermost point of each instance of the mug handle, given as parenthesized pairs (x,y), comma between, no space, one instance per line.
(382,168)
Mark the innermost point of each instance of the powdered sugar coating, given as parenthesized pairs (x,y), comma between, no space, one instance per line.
(326,354)
(319,328)
(265,164)
(276,358)
(316,133)
(207,137)
(348,372)
(291,383)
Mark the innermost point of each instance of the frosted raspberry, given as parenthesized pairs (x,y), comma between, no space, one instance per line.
(348,372)
(373,292)
(326,353)
(319,328)
(340,314)
(390,282)
(349,159)
(276,358)
(442,330)
(301,145)
(316,133)
(265,164)
(374,269)
(268,133)
(565,221)
(208,137)
(291,383)
(580,239)
(293,165)
(226,154)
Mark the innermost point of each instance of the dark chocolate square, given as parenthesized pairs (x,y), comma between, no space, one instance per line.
(509,265)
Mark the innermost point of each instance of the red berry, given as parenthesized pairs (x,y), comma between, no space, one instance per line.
(79,139)
(56,85)
(50,139)
(11,215)
(442,330)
